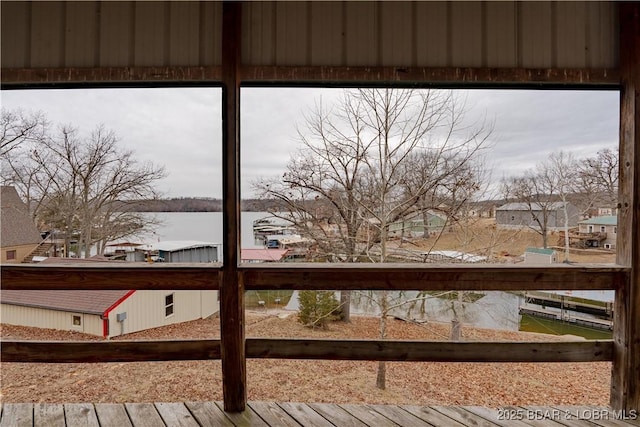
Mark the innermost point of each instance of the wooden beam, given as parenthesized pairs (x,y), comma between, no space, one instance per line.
(308,75)
(277,348)
(434,351)
(359,276)
(432,276)
(116,276)
(625,378)
(108,351)
(112,76)
(428,76)
(234,365)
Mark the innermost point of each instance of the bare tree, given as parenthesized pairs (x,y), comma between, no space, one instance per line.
(366,164)
(597,180)
(78,185)
(18,127)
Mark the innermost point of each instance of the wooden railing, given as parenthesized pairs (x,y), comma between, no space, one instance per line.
(313,276)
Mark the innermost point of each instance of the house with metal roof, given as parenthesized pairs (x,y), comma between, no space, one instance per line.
(105,313)
(606,227)
(522,214)
(19,235)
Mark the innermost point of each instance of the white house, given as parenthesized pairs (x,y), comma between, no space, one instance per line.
(603,227)
(105,313)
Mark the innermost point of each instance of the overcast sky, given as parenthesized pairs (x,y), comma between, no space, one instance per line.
(180,128)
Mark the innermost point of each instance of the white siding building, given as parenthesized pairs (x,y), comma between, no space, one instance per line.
(105,313)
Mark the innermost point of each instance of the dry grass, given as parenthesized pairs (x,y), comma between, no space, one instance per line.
(311,381)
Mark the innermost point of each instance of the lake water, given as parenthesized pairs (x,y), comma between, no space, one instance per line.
(202,226)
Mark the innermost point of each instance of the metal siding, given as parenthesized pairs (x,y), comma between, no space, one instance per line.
(210,33)
(47,34)
(184,33)
(501,32)
(258,47)
(432,44)
(116,34)
(209,303)
(466,34)
(571,43)
(396,34)
(292,33)
(602,22)
(535,38)
(145,310)
(15,44)
(327,40)
(49,319)
(361,29)
(81,34)
(150,40)
(426,34)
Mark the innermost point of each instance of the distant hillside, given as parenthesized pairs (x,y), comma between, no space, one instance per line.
(194,204)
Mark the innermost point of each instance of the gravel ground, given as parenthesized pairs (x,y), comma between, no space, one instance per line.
(410,383)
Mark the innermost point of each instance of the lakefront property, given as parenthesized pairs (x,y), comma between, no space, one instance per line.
(373,47)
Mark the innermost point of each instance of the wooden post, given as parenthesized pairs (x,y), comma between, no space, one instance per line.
(625,379)
(232,335)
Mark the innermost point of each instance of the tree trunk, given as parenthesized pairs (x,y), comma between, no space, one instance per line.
(381,379)
(345,306)
(456,330)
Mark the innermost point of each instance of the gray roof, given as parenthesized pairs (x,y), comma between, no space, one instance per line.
(522,206)
(17,226)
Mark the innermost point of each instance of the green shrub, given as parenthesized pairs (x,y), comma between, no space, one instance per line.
(317,308)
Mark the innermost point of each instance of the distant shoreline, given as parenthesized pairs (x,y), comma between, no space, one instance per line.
(194,204)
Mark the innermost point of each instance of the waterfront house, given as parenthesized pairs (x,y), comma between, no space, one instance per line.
(600,231)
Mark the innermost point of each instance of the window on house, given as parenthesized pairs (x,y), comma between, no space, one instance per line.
(615,229)
(168,305)
(11,255)
(76,320)
(603,229)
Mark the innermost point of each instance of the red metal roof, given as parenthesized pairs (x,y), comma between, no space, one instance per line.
(263,254)
(90,301)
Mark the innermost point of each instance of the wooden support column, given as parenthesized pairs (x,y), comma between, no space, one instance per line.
(232,334)
(625,379)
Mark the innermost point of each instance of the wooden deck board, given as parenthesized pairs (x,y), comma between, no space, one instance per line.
(144,415)
(17,415)
(368,415)
(49,415)
(193,414)
(80,415)
(273,414)
(336,415)
(176,414)
(248,417)
(305,415)
(209,414)
(112,415)
(432,416)
(464,417)
(400,416)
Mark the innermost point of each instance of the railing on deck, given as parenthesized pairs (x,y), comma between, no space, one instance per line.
(314,276)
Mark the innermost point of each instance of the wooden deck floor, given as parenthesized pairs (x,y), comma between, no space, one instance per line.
(302,414)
